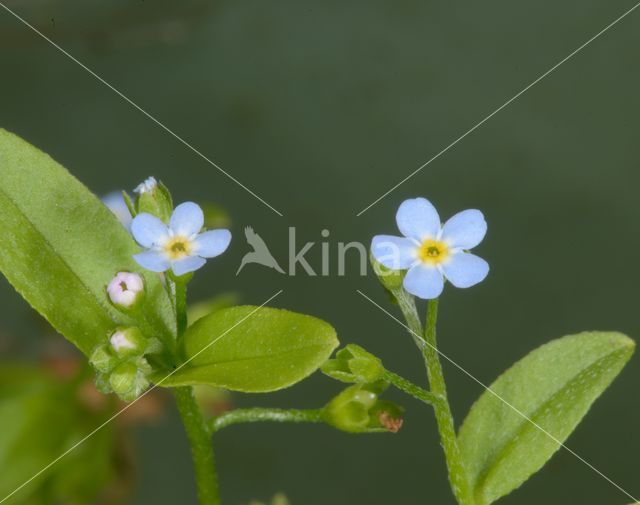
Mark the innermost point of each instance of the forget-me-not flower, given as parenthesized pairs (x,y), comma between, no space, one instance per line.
(179,246)
(433,252)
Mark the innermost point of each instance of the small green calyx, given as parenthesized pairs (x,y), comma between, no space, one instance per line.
(129,379)
(154,198)
(354,365)
(359,410)
(102,359)
(390,279)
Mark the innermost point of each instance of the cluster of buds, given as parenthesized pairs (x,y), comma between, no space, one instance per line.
(358,409)
(120,364)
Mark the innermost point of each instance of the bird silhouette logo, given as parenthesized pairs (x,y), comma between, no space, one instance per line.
(260,254)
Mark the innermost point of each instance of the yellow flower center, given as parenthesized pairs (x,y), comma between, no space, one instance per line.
(178,247)
(433,252)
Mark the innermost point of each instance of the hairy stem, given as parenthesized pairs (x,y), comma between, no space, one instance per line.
(256,415)
(201,446)
(457,472)
(411,389)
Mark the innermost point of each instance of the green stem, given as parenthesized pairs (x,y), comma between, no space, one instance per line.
(190,413)
(408,307)
(201,446)
(457,472)
(411,389)
(256,415)
(178,289)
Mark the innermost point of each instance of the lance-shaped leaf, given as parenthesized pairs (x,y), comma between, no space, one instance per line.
(553,387)
(253,349)
(61,246)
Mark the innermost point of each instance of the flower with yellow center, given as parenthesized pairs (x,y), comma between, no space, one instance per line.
(432,252)
(180,246)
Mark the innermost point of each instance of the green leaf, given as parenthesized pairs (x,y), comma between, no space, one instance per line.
(62,246)
(253,349)
(554,386)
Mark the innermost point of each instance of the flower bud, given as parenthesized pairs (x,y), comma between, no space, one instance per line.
(390,279)
(102,359)
(125,290)
(358,410)
(154,198)
(128,342)
(129,379)
(354,364)
(123,377)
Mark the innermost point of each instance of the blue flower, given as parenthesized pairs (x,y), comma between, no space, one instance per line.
(179,246)
(433,252)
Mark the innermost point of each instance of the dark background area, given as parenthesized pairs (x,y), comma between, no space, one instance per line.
(320,107)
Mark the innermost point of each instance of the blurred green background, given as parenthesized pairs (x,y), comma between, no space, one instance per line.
(320,107)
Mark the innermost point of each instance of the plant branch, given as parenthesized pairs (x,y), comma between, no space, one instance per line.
(255,415)
(411,389)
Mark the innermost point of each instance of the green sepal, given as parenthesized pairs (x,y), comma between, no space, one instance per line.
(354,364)
(358,409)
(390,279)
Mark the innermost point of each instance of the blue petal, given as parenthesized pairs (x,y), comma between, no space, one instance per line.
(424,281)
(153,260)
(187,219)
(464,270)
(212,243)
(188,264)
(148,230)
(465,230)
(418,219)
(116,204)
(397,253)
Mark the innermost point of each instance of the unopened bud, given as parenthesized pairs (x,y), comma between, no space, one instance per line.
(154,198)
(126,289)
(146,186)
(102,359)
(128,342)
(122,379)
(354,364)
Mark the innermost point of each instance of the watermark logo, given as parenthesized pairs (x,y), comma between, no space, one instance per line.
(260,254)
(300,257)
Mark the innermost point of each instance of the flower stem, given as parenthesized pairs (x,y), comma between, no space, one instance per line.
(411,389)
(201,446)
(255,415)
(428,347)
(178,286)
(457,472)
